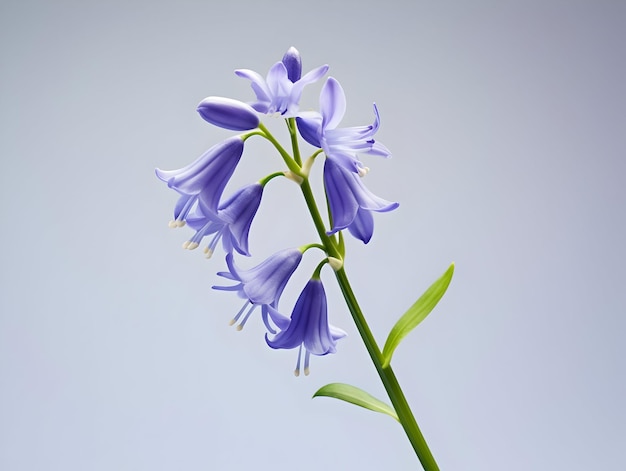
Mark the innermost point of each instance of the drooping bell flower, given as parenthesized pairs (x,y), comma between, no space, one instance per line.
(280,92)
(228,113)
(340,144)
(309,327)
(204,179)
(262,285)
(231,223)
(351,202)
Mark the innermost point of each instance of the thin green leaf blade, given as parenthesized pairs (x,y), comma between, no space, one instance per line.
(416,314)
(356,396)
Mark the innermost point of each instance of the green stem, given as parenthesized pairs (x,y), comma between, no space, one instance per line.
(291,124)
(387,375)
(289,161)
(388,378)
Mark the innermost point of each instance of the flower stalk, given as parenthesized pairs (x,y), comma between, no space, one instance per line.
(387,376)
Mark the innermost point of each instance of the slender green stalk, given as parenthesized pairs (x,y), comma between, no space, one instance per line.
(388,378)
(291,124)
(289,161)
(386,374)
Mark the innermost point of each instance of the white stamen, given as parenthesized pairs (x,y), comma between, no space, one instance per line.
(306,371)
(186,244)
(363,171)
(172,224)
(232,321)
(240,327)
(296,372)
(192,245)
(208,252)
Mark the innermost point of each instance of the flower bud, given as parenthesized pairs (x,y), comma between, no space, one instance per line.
(228,113)
(293,64)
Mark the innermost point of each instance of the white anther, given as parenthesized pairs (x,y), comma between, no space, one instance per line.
(208,252)
(186,244)
(192,245)
(363,171)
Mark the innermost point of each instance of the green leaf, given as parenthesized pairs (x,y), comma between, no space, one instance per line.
(416,314)
(356,396)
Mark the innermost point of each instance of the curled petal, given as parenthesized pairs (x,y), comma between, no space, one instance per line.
(264,283)
(228,113)
(279,320)
(311,77)
(258,84)
(332,104)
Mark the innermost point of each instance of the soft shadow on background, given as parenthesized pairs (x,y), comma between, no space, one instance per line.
(506,121)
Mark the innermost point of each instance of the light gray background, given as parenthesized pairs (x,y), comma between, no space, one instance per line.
(506,121)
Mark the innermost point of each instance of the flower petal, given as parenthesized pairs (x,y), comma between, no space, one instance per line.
(362,227)
(293,64)
(208,175)
(237,212)
(311,77)
(258,84)
(310,125)
(228,113)
(332,104)
(343,205)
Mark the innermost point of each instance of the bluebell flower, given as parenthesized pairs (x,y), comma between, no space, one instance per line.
(351,202)
(262,285)
(309,327)
(228,113)
(231,223)
(204,179)
(281,90)
(340,144)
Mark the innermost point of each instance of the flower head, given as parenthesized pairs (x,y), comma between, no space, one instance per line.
(341,144)
(351,202)
(228,113)
(309,327)
(262,285)
(231,223)
(204,179)
(281,90)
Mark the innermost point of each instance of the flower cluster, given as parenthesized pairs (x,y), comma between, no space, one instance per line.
(203,206)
